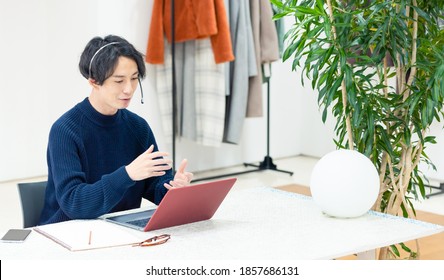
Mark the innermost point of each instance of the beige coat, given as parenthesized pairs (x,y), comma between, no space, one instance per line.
(267,50)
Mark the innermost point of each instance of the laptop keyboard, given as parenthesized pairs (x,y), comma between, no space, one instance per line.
(139,223)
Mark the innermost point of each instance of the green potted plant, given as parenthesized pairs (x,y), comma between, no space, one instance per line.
(378,67)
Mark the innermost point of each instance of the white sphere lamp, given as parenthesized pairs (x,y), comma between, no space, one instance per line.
(344,184)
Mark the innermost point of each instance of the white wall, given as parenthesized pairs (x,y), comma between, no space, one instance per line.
(436,155)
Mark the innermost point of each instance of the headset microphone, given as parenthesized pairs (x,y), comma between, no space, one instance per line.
(141,91)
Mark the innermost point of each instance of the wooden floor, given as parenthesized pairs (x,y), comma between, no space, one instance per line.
(430,248)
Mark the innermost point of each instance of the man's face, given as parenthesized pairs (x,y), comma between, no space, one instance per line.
(117,90)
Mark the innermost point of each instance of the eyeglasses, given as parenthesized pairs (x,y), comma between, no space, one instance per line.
(156,240)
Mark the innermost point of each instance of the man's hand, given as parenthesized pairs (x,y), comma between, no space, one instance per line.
(148,165)
(181,178)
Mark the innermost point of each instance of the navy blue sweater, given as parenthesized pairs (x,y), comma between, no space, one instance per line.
(87,154)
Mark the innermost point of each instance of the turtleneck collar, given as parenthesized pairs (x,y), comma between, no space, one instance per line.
(96,117)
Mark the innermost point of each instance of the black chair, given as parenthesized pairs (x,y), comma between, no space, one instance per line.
(32,197)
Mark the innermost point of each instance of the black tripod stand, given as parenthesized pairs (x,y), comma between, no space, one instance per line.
(267,163)
(440,189)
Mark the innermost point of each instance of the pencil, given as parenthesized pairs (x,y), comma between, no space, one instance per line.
(90,234)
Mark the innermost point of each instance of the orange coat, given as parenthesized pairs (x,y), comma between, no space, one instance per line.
(194,19)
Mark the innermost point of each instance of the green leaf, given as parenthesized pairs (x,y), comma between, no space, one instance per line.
(405,248)
(421,13)
(300,10)
(395,250)
(289,51)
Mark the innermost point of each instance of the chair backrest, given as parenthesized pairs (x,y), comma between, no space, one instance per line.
(32,197)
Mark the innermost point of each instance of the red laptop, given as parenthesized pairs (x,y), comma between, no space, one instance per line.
(179,206)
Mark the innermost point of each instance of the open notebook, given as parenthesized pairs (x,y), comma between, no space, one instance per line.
(77,235)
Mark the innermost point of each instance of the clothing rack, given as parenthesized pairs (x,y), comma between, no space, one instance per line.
(266,164)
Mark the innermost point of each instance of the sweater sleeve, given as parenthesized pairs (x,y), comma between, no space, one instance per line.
(77,199)
(221,42)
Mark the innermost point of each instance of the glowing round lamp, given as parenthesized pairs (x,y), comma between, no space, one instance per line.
(344,184)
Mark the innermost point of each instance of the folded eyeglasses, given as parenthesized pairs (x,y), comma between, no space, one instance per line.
(153,241)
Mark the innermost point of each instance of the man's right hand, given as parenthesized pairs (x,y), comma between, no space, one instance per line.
(149,164)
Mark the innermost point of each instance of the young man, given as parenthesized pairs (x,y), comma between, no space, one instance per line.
(101,157)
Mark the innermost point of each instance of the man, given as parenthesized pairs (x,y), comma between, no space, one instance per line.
(101,157)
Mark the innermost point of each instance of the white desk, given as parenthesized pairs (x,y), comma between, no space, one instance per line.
(254,224)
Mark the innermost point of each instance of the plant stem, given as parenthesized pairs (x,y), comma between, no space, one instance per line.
(343,86)
(413,68)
